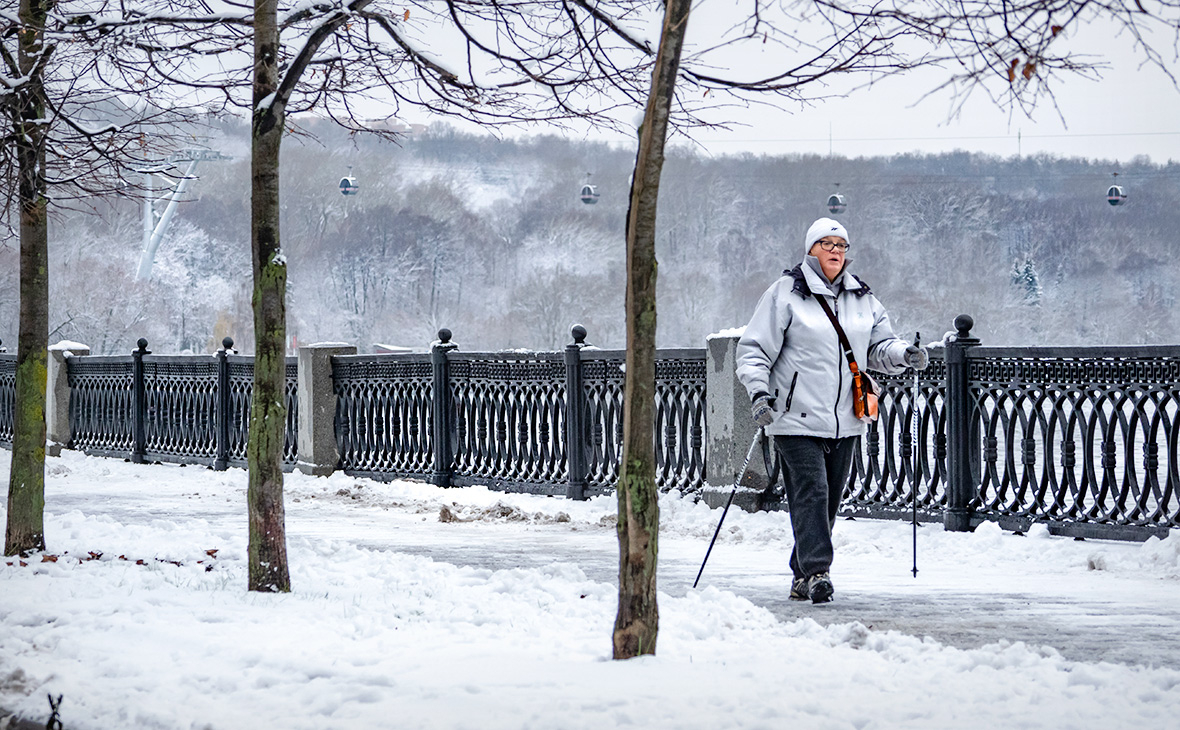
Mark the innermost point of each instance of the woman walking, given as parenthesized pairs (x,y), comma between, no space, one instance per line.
(812,329)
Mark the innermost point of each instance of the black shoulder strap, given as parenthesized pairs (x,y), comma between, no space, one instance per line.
(839,332)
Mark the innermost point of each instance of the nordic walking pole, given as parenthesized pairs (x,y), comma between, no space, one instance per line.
(728,502)
(917,460)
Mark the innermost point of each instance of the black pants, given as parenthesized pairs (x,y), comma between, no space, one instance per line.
(814,471)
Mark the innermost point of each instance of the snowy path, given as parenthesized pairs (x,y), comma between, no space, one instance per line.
(499,619)
(1118,618)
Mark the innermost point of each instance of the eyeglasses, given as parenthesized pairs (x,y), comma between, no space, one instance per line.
(833,246)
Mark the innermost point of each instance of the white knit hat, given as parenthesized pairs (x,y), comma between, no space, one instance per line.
(823,228)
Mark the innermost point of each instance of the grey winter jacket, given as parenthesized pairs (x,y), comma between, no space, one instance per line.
(791,352)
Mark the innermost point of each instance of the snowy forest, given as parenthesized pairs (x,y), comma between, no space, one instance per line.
(490,239)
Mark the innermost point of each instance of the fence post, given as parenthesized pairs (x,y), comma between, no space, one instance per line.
(961,487)
(138,403)
(221,412)
(318,452)
(577,430)
(57,395)
(729,429)
(441,412)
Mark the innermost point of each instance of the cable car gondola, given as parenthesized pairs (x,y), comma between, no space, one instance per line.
(1115,194)
(837,203)
(589,193)
(348,184)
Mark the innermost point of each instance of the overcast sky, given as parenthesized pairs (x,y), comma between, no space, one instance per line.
(1132,110)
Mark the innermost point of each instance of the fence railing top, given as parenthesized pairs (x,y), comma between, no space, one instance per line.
(504,355)
(682,353)
(100,359)
(1120,352)
(670,353)
(178,359)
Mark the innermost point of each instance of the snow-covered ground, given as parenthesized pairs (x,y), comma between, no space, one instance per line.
(416,607)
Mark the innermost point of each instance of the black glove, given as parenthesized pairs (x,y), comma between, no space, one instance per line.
(916,357)
(763,410)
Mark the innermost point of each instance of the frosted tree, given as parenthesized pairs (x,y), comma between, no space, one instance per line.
(1027,282)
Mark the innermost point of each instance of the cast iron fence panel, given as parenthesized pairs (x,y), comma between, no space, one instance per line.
(181,404)
(509,428)
(241,386)
(508,414)
(1079,435)
(241,390)
(602,383)
(7,396)
(102,413)
(882,478)
(680,419)
(291,394)
(383,416)
(180,411)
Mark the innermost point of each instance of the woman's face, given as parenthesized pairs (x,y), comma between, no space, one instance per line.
(830,261)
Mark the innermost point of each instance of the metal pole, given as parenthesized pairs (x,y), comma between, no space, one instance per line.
(960,482)
(736,482)
(576,431)
(441,415)
(152,242)
(222,405)
(138,403)
(917,461)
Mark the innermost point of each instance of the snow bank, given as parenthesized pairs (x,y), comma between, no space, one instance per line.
(140,618)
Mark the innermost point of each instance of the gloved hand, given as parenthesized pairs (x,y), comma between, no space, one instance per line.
(916,357)
(762,410)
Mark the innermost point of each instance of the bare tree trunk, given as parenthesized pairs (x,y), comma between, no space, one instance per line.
(268,413)
(637,622)
(26,479)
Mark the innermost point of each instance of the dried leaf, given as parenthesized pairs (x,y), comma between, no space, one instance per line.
(211,553)
(1056,29)
(48,558)
(140,562)
(407,15)
(1029,70)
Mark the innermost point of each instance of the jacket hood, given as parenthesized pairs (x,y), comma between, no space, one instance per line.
(813,281)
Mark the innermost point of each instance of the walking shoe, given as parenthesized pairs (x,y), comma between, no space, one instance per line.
(799,590)
(819,588)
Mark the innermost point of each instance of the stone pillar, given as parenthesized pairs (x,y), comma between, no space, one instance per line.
(57,396)
(730,430)
(318,455)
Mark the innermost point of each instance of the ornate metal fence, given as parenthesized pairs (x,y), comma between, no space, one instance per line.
(507,419)
(383,414)
(185,409)
(882,480)
(102,414)
(1076,435)
(1082,439)
(7,396)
